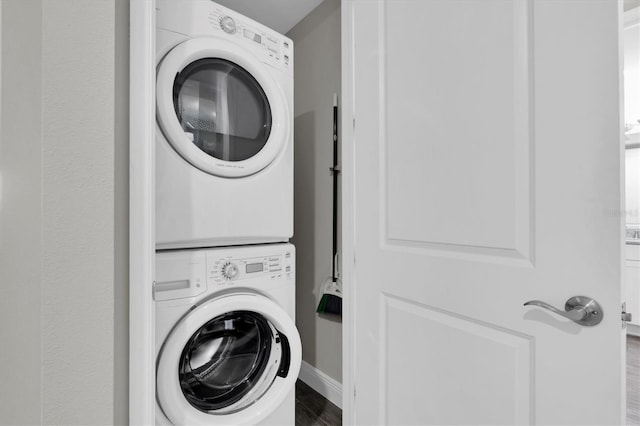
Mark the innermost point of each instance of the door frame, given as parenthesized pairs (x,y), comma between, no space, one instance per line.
(347,214)
(141,213)
(629,19)
(348,259)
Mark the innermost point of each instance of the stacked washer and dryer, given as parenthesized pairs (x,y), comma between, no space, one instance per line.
(227,349)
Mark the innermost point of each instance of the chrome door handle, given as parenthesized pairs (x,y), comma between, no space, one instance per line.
(580,309)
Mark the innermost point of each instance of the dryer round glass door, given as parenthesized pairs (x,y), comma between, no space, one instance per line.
(231,360)
(220,107)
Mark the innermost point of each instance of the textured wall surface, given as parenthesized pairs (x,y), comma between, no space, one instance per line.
(57,214)
(121,191)
(317,77)
(77,211)
(20,212)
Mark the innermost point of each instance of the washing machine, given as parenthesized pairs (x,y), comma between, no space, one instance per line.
(228,351)
(224,139)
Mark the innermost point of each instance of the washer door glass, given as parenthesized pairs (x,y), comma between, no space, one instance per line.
(225,360)
(222,109)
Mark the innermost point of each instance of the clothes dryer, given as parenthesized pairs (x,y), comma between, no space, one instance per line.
(224,140)
(228,351)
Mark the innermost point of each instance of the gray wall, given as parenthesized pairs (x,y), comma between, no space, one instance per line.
(121,189)
(20,213)
(317,77)
(62,276)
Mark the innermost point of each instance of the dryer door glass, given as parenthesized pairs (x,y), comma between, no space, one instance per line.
(229,362)
(222,108)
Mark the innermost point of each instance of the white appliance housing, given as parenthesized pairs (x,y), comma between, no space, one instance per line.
(224,139)
(227,349)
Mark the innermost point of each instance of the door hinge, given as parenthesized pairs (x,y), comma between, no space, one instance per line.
(625,316)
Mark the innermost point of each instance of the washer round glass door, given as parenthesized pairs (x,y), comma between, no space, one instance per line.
(219,107)
(231,360)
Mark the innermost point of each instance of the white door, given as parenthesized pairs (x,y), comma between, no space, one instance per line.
(485,161)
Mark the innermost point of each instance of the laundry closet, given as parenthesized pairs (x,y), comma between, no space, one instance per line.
(239,290)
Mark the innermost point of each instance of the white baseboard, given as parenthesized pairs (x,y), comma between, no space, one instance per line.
(330,388)
(632,329)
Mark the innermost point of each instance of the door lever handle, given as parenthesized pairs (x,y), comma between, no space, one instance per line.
(579,309)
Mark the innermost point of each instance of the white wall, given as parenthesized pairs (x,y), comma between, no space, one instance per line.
(317,77)
(58,266)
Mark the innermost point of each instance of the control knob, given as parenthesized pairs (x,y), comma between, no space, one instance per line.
(227,24)
(229,270)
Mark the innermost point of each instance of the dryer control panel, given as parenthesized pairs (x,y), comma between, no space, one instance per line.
(206,18)
(276,49)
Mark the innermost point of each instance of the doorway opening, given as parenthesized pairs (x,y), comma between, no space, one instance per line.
(317,77)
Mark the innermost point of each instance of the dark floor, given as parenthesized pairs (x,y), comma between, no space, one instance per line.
(312,409)
(633,380)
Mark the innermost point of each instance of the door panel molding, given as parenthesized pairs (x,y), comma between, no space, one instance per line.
(461,227)
(511,354)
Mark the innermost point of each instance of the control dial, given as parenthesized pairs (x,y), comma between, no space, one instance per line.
(229,270)
(227,24)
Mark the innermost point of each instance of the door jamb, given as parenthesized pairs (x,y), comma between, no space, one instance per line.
(348,259)
(141,213)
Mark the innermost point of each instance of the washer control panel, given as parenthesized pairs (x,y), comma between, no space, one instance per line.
(180,274)
(229,267)
(227,24)
(184,274)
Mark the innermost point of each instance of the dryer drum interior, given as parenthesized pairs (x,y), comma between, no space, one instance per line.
(231,361)
(222,108)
